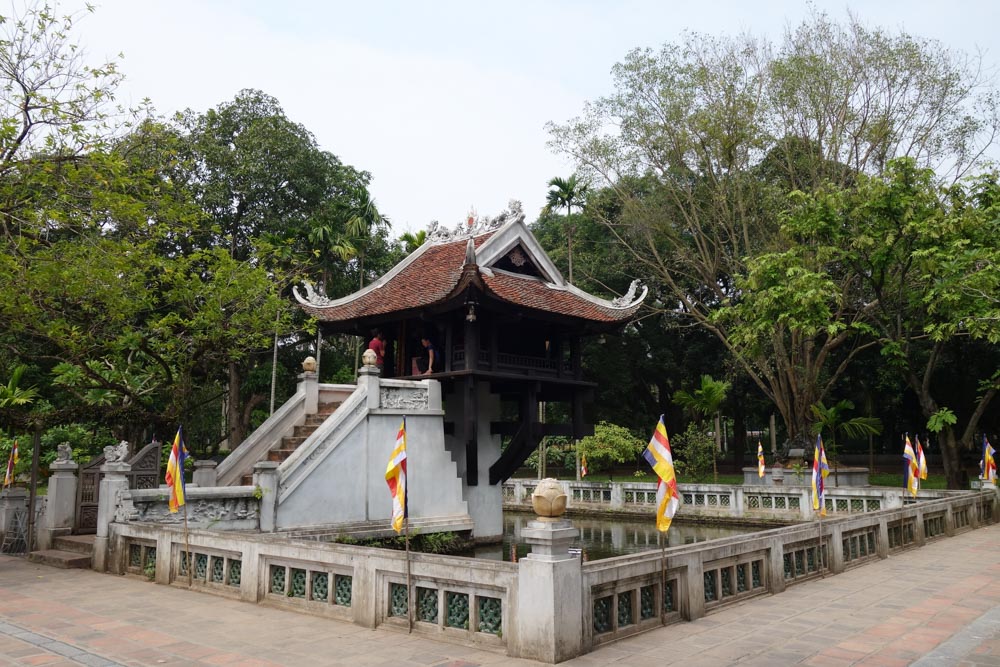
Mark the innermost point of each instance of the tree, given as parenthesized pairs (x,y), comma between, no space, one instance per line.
(567,192)
(927,266)
(727,128)
(609,445)
(413,240)
(831,420)
(705,402)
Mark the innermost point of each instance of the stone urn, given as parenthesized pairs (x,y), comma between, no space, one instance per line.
(549,500)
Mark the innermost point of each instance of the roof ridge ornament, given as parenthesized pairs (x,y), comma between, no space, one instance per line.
(628,299)
(313,297)
(436,233)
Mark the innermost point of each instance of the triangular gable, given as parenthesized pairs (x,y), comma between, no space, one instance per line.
(505,249)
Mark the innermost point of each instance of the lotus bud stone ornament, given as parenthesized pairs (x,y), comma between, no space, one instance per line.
(549,500)
(369,357)
(309,364)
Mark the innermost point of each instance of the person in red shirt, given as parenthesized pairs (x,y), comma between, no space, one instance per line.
(377,345)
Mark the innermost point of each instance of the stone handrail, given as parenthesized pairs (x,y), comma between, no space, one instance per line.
(222,508)
(242,459)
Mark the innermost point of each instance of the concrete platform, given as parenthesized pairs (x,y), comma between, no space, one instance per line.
(933,607)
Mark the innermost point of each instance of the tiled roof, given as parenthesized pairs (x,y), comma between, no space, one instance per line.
(435,273)
(533,293)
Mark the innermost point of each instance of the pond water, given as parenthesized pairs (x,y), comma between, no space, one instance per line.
(607,537)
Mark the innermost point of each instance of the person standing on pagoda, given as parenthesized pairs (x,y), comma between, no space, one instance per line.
(427,363)
(377,345)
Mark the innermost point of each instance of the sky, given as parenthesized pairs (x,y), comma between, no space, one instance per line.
(445,103)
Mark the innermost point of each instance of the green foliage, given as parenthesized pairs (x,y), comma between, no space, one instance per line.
(706,400)
(693,453)
(831,420)
(609,445)
(941,419)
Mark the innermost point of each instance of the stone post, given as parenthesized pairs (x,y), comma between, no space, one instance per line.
(549,584)
(265,477)
(60,507)
(309,382)
(113,485)
(205,473)
(368,377)
(13,499)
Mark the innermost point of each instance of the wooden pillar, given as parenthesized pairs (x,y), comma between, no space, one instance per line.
(576,357)
(471,423)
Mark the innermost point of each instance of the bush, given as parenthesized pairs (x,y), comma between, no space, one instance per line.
(693,454)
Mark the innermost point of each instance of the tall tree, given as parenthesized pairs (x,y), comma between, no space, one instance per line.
(727,128)
(567,193)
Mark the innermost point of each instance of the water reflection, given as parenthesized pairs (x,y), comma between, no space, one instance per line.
(604,538)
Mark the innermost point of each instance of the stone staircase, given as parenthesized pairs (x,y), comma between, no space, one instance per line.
(70,551)
(289,444)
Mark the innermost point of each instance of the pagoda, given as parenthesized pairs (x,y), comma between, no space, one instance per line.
(506,328)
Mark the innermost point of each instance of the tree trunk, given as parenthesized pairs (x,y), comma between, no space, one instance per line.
(234,417)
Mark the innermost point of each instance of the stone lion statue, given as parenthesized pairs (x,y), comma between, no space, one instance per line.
(64,453)
(116,453)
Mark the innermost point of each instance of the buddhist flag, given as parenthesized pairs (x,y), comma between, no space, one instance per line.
(175,471)
(820,470)
(989,462)
(912,467)
(583,466)
(12,460)
(658,455)
(921,459)
(760,459)
(395,477)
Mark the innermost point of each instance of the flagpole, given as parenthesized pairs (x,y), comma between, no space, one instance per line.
(821,556)
(187,545)
(409,591)
(663,576)
(406,539)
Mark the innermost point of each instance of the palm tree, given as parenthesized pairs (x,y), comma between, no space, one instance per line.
(413,240)
(704,402)
(831,419)
(567,192)
(12,395)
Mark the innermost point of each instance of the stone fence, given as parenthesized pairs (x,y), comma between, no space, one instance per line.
(550,605)
(783,503)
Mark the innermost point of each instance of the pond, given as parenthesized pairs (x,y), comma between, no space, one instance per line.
(607,537)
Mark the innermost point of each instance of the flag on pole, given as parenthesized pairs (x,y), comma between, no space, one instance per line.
(912,467)
(820,470)
(8,479)
(658,455)
(760,459)
(989,463)
(583,466)
(921,459)
(395,477)
(175,472)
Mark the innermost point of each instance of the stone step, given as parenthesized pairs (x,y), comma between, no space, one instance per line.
(291,442)
(327,409)
(81,544)
(59,558)
(279,455)
(247,479)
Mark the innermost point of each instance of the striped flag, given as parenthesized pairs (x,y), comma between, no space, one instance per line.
(760,459)
(175,472)
(658,455)
(395,477)
(8,479)
(912,467)
(921,459)
(989,463)
(820,470)
(583,466)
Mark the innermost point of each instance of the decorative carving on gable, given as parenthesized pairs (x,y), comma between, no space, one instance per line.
(436,233)
(313,296)
(628,299)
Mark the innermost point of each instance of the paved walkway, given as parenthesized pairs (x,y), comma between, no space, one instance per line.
(935,606)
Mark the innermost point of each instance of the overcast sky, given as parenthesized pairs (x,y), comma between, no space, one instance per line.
(444,102)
